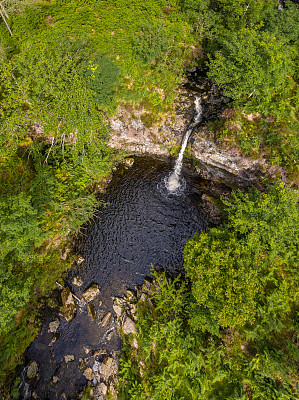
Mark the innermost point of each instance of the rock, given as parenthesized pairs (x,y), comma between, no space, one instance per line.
(89,374)
(69,358)
(68,304)
(133,310)
(91,293)
(86,349)
(54,380)
(103,388)
(83,362)
(92,311)
(53,326)
(32,370)
(129,326)
(130,294)
(117,309)
(77,281)
(129,161)
(105,319)
(80,260)
(120,301)
(112,392)
(99,352)
(143,298)
(63,255)
(134,343)
(108,368)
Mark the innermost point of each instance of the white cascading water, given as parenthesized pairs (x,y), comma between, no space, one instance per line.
(173,182)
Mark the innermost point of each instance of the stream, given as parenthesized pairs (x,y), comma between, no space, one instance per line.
(139,223)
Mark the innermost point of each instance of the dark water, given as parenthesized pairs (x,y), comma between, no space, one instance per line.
(138,224)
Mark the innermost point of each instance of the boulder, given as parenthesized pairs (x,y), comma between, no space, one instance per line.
(89,374)
(129,161)
(117,309)
(32,370)
(108,368)
(80,260)
(77,281)
(106,319)
(91,293)
(69,358)
(68,304)
(92,311)
(54,380)
(53,326)
(103,388)
(129,326)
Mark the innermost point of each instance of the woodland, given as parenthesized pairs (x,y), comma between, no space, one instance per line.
(229,329)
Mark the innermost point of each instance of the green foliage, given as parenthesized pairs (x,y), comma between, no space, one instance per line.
(206,22)
(151,43)
(174,361)
(254,65)
(256,249)
(102,76)
(19,234)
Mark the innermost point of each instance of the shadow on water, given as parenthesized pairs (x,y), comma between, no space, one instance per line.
(137,224)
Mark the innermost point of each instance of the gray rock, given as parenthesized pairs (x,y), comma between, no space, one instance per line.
(68,304)
(32,370)
(91,293)
(105,320)
(112,392)
(143,298)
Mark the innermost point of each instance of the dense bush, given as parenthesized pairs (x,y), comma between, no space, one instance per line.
(249,264)
(174,361)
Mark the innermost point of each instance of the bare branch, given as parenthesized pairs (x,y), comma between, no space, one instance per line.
(2,12)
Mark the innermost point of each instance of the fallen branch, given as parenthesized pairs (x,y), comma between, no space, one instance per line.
(3,15)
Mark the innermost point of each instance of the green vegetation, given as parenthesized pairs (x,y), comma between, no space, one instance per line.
(234,334)
(252,50)
(64,71)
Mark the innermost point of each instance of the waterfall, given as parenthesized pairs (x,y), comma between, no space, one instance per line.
(173,181)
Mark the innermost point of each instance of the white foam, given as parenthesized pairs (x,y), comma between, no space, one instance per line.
(173,182)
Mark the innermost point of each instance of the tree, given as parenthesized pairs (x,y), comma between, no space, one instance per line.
(247,268)
(254,65)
